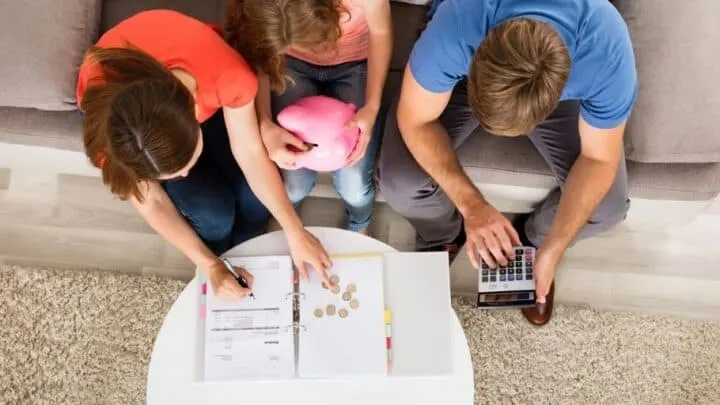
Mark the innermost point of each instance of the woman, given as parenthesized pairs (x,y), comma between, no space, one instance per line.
(339,48)
(170,120)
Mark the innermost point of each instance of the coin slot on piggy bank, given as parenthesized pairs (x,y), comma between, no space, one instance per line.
(320,122)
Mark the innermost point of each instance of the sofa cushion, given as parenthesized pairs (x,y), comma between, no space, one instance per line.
(408,21)
(677,49)
(515,162)
(114,11)
(51,129)
(674,181)
(42,43)
(511,161)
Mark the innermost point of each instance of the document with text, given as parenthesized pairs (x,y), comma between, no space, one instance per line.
(253,338)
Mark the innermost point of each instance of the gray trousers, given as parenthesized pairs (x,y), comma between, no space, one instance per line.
(411,192)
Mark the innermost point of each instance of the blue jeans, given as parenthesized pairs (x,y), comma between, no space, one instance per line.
(215,197)
(355,184)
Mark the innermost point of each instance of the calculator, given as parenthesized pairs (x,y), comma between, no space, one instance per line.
(511,286)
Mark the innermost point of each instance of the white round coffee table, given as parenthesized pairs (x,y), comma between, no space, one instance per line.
(172,370)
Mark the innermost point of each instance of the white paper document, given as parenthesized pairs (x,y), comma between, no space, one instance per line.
(351,343)
(252,338)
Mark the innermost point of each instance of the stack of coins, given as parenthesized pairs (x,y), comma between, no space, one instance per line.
(348,296)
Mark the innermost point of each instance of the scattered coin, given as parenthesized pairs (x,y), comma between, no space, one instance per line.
(334,279)
(346,296)
(318,313)
(343,313)
(335,289)
(351,288)
(330,310)
(354,304)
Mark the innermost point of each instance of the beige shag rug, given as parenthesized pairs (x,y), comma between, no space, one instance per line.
(72,337)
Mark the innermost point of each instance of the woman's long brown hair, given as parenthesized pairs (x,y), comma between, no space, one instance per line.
(263,30)
(138,120)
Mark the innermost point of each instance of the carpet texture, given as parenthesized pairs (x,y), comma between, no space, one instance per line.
(584,356)
(73,337)
(86,338)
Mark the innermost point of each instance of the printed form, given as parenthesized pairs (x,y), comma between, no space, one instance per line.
(253,338)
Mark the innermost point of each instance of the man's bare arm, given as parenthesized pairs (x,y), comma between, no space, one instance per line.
(418,120)
(589,180)
(489,234)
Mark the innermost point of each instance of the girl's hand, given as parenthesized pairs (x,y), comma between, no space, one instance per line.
(225,286)
(306,249)
(283,147)
(364,120)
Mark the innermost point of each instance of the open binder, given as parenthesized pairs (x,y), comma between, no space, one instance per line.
(290,330)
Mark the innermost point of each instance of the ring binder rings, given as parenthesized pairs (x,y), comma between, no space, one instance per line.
(296,326)
(295,295)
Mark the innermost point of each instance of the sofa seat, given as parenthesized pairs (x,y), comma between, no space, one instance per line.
(515,162)
(50,129)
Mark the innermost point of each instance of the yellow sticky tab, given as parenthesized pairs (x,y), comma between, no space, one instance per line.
(388,316)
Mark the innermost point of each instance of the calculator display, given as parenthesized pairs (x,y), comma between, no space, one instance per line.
(506,298)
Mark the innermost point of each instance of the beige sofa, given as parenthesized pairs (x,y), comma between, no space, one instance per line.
(673,146)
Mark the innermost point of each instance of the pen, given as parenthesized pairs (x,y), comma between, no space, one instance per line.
(239,279)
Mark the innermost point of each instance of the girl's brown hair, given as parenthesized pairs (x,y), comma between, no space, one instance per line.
(138,120)
(263,30)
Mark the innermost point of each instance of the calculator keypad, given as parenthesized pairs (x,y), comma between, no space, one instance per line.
(516,274)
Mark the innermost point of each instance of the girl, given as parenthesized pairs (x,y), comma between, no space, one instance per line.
(169,119)
(339,48)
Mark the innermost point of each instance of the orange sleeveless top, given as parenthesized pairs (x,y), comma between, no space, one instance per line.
(351,46)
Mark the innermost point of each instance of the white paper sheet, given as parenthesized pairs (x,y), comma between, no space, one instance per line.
(251,339)
(354,346)
(418,293)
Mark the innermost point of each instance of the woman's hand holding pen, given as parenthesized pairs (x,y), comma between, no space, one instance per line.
(225,285)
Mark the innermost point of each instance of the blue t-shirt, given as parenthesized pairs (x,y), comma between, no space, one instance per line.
(603,76)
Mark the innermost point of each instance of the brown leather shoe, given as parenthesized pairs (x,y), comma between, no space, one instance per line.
(541,313)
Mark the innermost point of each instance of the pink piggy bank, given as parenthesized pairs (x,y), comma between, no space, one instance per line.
(320,122)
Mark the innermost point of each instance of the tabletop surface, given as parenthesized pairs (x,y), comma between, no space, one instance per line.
(172,370)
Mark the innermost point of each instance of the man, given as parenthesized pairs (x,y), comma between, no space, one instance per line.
(559,71)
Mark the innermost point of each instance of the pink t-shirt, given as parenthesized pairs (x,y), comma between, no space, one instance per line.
(351,46)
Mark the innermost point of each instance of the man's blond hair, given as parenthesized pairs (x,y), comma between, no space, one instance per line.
(517,76)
